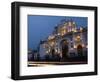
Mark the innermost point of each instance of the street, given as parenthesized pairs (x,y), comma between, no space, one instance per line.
(39,63)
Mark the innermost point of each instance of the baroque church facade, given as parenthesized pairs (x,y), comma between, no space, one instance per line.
(66,40)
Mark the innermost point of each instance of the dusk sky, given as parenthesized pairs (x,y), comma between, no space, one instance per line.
(40,27)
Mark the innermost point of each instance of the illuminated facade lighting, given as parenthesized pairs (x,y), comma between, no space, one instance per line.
(56,50)
(81,29)
(51,37)
(73,22)
(75,46)
(52,43)
(55,42)
(83,45)
(47,52)
(58,34)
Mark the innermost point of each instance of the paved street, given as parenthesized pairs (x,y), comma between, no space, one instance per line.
(37,63)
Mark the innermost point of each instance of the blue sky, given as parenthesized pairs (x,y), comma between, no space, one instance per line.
(39,27)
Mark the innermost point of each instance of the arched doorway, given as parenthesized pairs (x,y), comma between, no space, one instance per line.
(64,47)
(80,50)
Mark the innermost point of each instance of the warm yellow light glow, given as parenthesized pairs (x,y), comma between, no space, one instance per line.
(81,29)
(83,45)
(58,34)
(52,43)
(78,37)
(51,37)
(56,50)
(69,23)
(74,30)
(75,46)
(62,34)
(64,31)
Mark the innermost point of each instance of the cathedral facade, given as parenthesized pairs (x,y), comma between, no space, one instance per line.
(66,40)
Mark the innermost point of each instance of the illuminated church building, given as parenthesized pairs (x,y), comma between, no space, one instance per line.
(66,40)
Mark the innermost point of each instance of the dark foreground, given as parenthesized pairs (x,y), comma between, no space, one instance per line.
(68,61)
